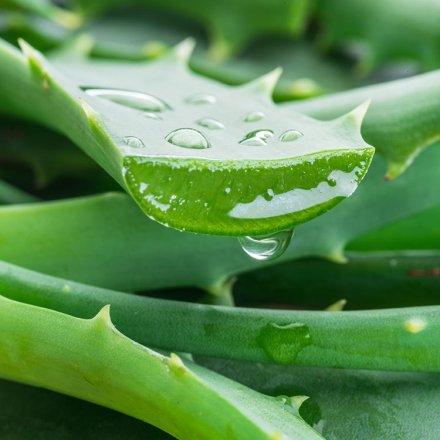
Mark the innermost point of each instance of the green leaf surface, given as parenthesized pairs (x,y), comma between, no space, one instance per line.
(261,175)
(393,339)
(90,359)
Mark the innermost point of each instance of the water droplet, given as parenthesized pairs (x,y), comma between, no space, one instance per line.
(210,123)
(187,138)
(201,98)
(283,343)
(137,100)
(227,190)
(290,135)
(133,141)
(331,182)
(266,247)
(151,115)
(257,138)
(253,116)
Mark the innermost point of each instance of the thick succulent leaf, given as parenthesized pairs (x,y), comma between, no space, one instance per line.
(86,246)
(383,30)
(201,166)
(417,232)
(224,21)
(404,117)
(393,339)
(344,404)
(90,359)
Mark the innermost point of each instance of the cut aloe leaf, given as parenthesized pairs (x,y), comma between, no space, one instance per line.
(189,150)
(92,360)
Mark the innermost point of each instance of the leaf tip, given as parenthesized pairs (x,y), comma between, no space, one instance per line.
(357,115)
(35,61)
(337,256)
(182,52)
(337,306)
(267,82)
(297,401)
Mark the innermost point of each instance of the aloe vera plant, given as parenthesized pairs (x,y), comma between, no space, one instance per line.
(129,167)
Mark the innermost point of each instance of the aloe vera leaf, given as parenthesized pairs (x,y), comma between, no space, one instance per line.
(368,280)
(394,29)
(415,232)
(393,339)
(140,252)
(63,417)
(46,9)
(181,182)
(403,119)
(227,29)
(9,194)
(91,360)
(347,404)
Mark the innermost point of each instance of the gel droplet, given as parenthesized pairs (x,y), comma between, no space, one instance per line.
(257,138)
(136,100)
(283,343)
(152,115)
(133,141)
(187,138)
(266,247)
(290,135)
(201,98)
(253,116)
(210,123)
